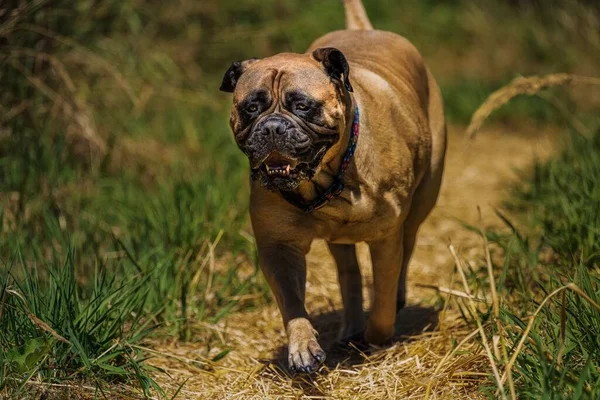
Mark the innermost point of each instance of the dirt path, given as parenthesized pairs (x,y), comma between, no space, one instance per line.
(477,173)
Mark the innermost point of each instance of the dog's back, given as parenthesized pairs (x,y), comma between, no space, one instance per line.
(388,64)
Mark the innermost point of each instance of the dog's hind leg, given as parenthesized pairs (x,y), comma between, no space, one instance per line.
(386,255)
(423,202)
(427,193)
(350,287)
(408,245)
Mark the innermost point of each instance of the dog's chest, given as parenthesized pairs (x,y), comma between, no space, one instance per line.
(367,219)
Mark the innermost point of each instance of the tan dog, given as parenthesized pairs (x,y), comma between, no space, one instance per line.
(296,116)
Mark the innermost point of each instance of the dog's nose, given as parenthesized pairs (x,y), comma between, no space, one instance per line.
(273,127)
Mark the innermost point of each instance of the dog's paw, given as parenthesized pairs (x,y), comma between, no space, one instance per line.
(305,356)
(304,353)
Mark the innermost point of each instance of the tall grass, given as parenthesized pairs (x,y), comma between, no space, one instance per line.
(563,200)
(150,256)
(545,319)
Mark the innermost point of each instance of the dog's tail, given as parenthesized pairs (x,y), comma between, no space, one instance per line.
(356,16)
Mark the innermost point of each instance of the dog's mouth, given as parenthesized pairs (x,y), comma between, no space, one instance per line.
(278,166)
(278,172)
(282,172)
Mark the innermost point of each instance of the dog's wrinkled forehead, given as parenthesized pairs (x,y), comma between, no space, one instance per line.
(286,72)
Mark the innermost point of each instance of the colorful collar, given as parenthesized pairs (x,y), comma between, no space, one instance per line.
(338,185)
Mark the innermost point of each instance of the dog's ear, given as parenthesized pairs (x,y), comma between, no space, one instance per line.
(335,64)
(233,74)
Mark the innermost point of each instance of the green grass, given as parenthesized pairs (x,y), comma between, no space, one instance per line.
(149,234)
(87,334)
(554,246)
(563,200)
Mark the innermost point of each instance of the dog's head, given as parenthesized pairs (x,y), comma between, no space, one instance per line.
(289,112)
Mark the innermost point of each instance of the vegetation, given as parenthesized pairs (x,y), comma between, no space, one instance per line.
(548,284)
(563,196)
(123,197)
(563,199)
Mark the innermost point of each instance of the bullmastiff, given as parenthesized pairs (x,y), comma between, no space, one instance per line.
(346,143)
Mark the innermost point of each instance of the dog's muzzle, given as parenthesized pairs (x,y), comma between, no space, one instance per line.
(281,153)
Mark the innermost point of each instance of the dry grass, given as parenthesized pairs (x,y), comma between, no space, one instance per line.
(435,356)
(407,370)
(530,86)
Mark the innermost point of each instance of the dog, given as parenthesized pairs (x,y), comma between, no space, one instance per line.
(346,143)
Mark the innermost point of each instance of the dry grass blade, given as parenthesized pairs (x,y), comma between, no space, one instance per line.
(479,324)
(202,365)
(522,85)
(563,327)
(16,15)
(71,109)
(490,268)
(495,302)
(451,292)
(209,260)
(35,320)
(580,292)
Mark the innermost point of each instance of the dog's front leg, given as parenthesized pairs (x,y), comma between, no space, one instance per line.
(284,267)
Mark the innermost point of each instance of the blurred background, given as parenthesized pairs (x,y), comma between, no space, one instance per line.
(109,106)
(116,155)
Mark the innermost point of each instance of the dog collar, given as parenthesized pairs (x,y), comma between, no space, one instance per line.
(338,185)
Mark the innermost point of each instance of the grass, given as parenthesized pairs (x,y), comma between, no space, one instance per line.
(564,202)
(123,198)
(119,253)
(562,199)
(545,316)
(60,333)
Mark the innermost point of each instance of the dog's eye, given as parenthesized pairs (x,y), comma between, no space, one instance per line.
(252,108)
(301,107)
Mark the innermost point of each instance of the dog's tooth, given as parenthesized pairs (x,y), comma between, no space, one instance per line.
(267,167)
(287,169)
